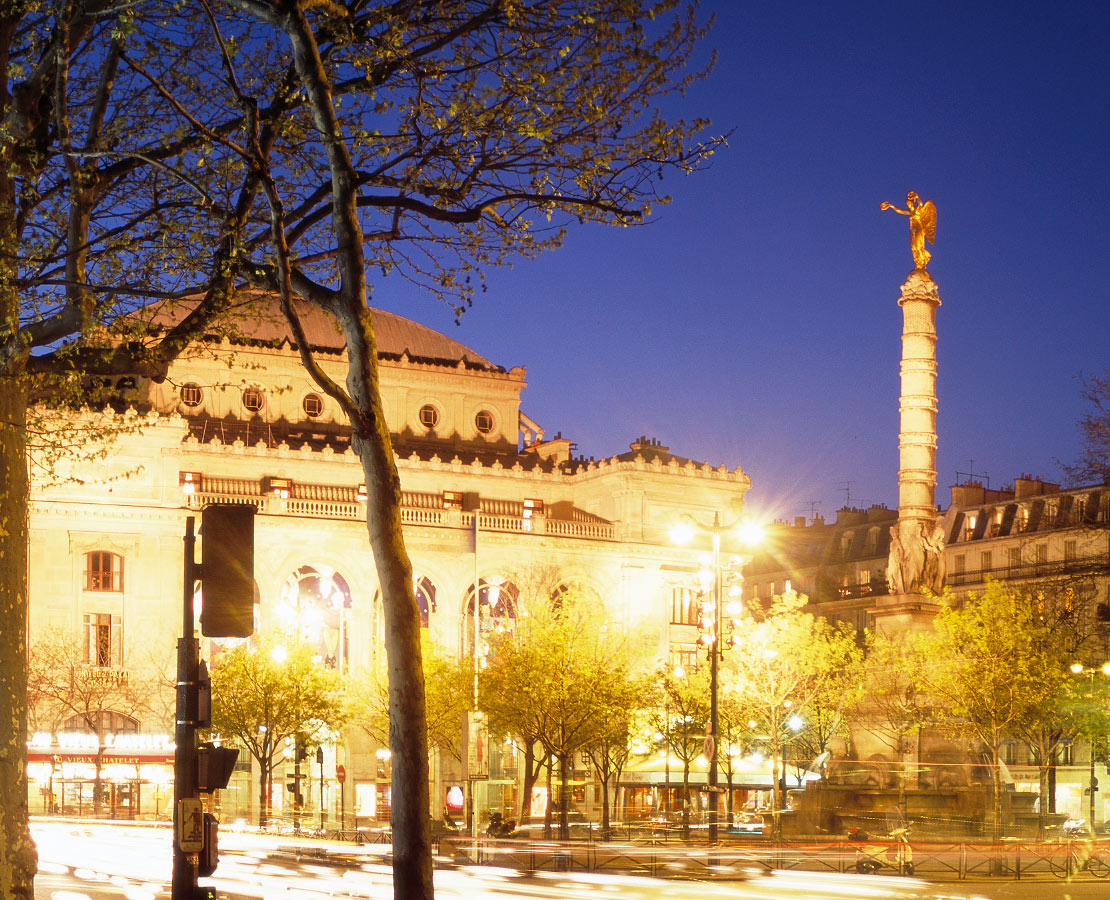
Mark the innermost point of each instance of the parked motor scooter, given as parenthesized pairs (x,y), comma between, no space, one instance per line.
(894,853)
(499,826)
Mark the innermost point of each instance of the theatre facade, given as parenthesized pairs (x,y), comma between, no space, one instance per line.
(489,495)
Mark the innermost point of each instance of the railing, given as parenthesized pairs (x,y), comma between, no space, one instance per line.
(417,509)
(1032,571)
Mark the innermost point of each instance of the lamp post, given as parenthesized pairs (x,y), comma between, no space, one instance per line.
(1092,783)
(711,623)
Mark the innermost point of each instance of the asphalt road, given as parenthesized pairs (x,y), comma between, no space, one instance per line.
(81,861)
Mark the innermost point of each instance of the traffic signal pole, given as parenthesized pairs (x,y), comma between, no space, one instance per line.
(185,863)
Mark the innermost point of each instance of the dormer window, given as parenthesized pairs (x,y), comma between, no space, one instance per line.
(252,399)
(429,416)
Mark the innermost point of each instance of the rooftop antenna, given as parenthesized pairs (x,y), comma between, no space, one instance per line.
(846,486)
(986,476)
(813,506)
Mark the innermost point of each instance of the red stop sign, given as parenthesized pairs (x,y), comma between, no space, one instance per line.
(340,774)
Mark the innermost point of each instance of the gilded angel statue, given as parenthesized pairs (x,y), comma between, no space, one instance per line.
(923,225)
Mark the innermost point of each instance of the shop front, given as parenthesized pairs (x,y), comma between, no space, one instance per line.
(122,776)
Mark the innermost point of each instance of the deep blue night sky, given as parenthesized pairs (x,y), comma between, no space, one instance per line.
(755,322)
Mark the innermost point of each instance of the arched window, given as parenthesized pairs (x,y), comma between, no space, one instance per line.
(313,611)
(103,571)
(425,598)
(497,609)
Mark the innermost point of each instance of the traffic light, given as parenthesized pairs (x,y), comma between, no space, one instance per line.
(227,570)
(209,854)
(214,766)
(301,751)
(298,797)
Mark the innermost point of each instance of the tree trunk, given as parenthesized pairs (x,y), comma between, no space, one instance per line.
(605,807)
(408,729)
(18,858)
(531,773)
(564,775)
(686,797)
(263,794)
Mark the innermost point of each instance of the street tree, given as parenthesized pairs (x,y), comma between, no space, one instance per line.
(793,664)
(158,151)
(682,721)
(568,665)
(77,687)
(449,690)
(993,672)
(266,696)
(617,721)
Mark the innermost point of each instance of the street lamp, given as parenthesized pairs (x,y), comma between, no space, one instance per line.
(711,626)
(1079,669)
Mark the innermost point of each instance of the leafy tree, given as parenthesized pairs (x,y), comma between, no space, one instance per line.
(993,672)
(263,696)
(682,720)
(449,689)
(615,721)
(792,663)
(155,151)
(567,667)
(66,688)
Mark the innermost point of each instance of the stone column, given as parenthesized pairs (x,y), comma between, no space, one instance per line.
(916,560)
(917,436)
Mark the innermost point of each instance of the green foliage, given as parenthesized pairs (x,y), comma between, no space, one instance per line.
(563,678)
(264,695)
(448,693)
(789,663)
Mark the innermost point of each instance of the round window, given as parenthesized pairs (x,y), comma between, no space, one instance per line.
(313,405)
(429,416)
(191,394)
(484,421)
(252,399)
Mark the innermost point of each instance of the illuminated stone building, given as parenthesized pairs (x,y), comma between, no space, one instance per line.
(487,495)
(1031,532)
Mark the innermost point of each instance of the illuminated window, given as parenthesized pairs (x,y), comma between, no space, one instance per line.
(278,487)
(313,405)
(425,598)
(484,421)
(684,606)
(190,482)
(103,571)
(429,416)
(252,399)
(452,499)
(531,508)
(191,394)
(103,640)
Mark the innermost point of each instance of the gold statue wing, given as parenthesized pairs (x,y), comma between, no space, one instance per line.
(929,220)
